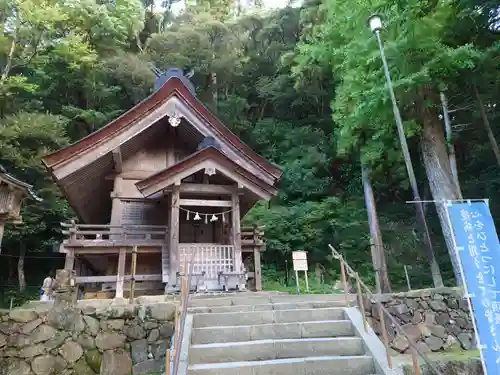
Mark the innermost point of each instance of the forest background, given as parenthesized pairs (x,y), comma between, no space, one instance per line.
(303,85)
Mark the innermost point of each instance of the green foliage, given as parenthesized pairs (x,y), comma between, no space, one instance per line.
(275,280)
(8,295)
(418,57)
(307,174)
(24,139)
(424,58)
(311,226)
(303,86)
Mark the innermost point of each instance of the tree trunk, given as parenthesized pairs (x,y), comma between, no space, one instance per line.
(449,142)
(486,123)
(437,279)
(425,198)
(441,180)
(10,57)
(377,244)
(214,86)
(12,271)
(20,267)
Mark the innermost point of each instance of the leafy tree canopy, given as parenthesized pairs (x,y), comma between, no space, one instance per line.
(303,86)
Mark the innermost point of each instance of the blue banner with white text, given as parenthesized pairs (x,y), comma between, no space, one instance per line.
(478,247)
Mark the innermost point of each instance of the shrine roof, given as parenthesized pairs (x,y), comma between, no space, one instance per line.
(172,87)
(217,160)
(21,185)
(81,170)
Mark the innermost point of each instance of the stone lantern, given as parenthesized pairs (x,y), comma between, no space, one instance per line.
(12,194)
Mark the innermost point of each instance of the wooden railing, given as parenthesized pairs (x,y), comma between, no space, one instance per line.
(208,258)
(252,238)
(114,233)
(173,357)
(114,278)
(347,272)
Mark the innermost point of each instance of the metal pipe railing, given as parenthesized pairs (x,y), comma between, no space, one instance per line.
(347,271)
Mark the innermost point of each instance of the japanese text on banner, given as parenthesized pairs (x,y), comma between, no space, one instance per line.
(479,252)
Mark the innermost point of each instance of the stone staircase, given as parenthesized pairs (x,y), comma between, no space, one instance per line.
(264,334)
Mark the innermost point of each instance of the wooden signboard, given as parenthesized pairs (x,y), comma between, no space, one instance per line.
(299,259)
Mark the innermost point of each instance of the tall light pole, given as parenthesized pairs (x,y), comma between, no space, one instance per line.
(375,23)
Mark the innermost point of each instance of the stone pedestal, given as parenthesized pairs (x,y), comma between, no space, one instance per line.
(65,290)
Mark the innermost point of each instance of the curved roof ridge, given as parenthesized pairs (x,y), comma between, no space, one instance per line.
(172,86)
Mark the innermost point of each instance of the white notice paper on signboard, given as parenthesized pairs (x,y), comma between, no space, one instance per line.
(299,260)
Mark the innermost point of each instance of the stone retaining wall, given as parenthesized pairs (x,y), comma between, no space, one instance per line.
(115,340)
(437,319)
(469,367)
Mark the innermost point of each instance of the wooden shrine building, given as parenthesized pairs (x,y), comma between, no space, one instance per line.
(12,194)
(158,183)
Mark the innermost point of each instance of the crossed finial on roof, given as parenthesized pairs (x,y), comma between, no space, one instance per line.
(162,77)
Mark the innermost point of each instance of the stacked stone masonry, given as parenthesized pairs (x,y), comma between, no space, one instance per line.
(468,367)
(115,340)
(436,319)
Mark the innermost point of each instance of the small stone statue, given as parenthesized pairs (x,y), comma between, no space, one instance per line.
(64,315)
(65,290)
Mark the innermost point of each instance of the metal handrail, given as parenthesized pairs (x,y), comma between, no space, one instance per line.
(345,268)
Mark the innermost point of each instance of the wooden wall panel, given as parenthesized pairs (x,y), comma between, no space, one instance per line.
(143,213)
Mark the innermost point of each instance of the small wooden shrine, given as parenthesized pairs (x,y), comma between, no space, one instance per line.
(164,182)
(12,194)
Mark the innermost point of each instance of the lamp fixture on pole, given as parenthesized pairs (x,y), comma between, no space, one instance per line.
(375,24)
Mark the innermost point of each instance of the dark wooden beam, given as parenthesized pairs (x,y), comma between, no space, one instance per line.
(117,159)
(204,203)
(208,189)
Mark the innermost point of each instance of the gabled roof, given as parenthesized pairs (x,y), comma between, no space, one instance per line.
(21,185)
(81,169)
(218,160)
(172,87)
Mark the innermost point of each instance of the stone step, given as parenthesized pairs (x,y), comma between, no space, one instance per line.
(262,350)
(273,331)
(266,317)
(261,299)
(266,307)
(328,365)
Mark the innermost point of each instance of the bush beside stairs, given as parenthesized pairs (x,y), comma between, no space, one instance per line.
(265,334)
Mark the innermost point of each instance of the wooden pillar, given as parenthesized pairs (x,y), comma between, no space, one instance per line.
(236,231)
(133,271)
(120,277)
(256,260)
(116,208)
(117,205)
(2,227)
(69,262)
(258,277)
(174,234)
(171,151)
